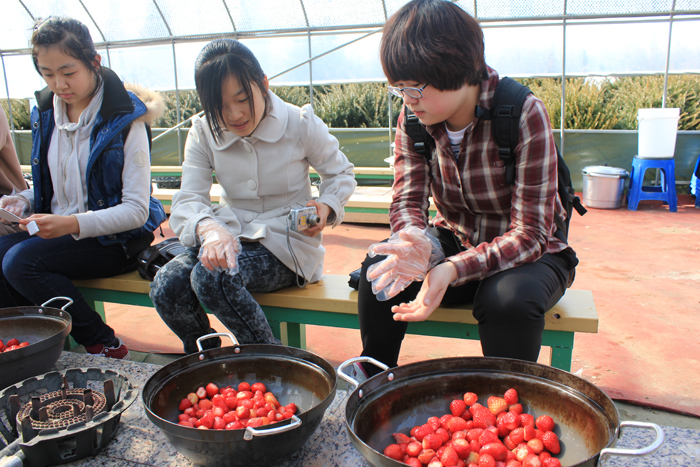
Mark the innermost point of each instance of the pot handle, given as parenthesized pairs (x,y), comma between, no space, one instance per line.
(215,334)
(251,432)
(607,452)
(349,362)
(63,308)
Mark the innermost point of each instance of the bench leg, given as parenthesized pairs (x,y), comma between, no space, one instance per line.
(291,334)
(562,344)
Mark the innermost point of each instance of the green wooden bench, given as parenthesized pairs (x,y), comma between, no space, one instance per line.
(331,302)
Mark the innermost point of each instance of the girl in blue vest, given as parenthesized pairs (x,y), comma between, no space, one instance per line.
(91,197)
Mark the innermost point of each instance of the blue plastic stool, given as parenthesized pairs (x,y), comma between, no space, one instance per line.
(695,184)
(665,192)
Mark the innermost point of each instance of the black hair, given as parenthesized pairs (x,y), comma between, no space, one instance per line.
(73,38)
(218,60)
(433,42)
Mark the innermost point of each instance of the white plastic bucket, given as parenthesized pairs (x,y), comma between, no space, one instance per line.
(657,133)
(603,186)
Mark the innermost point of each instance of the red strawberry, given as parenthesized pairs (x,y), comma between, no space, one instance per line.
(511,396)
(457,424)
(532,461)
(522,451)
(443,434)
(486,460)
(543,455)
(425,456)
(413,462)
(517,408)
(527,419)
(401,438)
(470,398)
(461,447)
(474,434)
(483,418)
(497,404)
(544,423)
(449,457)
(394,451)
(413,449)
(434,422)
(528,433)
(487,437)
(509,442)
(517,436)
(536,445)
(422,431)
(472,459)
(496,450)
(444,420)
(550,440)
(551,462)
(457,407)
(514,463)
(432,441)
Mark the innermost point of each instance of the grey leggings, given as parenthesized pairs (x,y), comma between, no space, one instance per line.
(183,283)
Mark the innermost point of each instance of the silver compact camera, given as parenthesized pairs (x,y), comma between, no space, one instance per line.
(303,218)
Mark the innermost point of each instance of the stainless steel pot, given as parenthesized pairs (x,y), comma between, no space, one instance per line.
(292,374)
(44,327)
(588,423)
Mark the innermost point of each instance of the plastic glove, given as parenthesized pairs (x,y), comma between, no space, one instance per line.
(411,253)
(17,205)
(219,246)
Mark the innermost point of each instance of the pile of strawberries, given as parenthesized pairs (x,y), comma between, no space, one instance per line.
(12,344)
(209,408)
(472,435)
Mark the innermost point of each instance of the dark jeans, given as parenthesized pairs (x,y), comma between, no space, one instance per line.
(509,307)
(35,270)
(183,283)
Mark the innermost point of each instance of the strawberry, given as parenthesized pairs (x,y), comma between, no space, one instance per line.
(413,462)
(11,342)
(401,438)
(510,444)
(413,449)
(474,434)
(457,424)
(185,404)
(496,450)
(432,441)
(497,404)
(514,463)
(434,422)
(435,463)
(544,423)
(483,418)
(449,457)
(517,436)
(543,455)
(457,407)
(394,451)
(550,440)
(212,389)
(243,386)
(443,434)
(522,451)
(425,456)
(487,437)
(258,387)
(486,460)
(511,396)
(551,462)
(516,408)
(473,458)
(536,445)
(461,447)
(444,420)
(531,460)
(470,398)
(527,419)
(422,431)
(528,433)
(201,392)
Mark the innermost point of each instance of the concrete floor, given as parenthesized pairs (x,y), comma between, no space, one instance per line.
(642,267)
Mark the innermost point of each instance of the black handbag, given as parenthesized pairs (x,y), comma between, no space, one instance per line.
(156,256)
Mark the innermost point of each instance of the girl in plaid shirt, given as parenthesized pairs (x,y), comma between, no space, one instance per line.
(498,239)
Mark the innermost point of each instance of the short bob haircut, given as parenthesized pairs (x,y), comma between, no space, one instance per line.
(433,42)
(218,60)
(73,38)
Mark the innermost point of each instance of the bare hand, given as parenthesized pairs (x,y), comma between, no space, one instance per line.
(323,211)
(52,225)
(430,295)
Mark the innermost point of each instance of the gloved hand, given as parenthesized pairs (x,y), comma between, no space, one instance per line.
(16,204)
(411,253)
(219,246)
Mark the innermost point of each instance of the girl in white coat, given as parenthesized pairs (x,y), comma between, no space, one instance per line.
(260,149)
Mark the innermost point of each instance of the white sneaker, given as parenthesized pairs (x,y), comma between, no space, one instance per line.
(358,373)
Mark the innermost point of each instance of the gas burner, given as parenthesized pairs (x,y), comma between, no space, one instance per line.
(60,409)
(62,417)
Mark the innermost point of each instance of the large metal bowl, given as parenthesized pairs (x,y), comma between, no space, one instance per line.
(44,327)
(588,423)
(293,375)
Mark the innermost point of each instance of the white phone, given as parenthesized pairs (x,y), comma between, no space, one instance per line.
(8,216)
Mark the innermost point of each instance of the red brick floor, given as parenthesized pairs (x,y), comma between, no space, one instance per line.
(643,269)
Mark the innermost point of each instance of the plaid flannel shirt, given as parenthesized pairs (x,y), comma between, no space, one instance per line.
(500,225)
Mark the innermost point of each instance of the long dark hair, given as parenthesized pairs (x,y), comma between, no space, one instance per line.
(218,60)
(72,36)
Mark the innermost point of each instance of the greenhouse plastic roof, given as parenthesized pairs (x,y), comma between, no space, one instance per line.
(122,22)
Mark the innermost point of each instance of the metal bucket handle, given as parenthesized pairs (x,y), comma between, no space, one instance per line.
(63,308)
(607,452)
(349,362)
(216,334)
(251,432)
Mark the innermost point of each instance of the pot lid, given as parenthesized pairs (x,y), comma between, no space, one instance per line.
(605,170)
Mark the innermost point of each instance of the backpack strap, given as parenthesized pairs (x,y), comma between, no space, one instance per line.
(423,143)
(506,107)
(127,129)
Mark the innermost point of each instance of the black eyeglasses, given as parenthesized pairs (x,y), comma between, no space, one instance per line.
(415,93)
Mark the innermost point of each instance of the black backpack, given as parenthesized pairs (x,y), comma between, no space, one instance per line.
(508,102)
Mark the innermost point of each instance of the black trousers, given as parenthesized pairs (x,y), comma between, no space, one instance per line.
(509,306)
